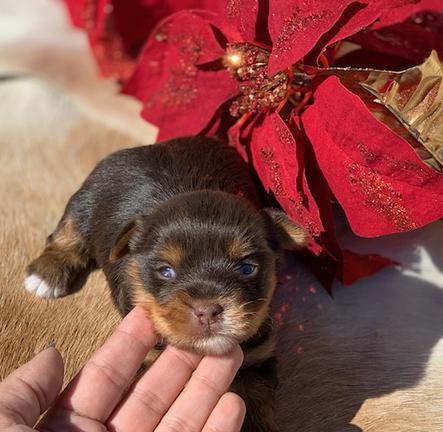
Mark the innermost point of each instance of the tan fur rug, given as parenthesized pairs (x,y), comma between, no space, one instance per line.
(47,148)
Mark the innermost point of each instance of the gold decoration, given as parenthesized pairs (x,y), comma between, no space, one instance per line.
(259,92)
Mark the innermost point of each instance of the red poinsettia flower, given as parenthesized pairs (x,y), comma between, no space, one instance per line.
(117,29)
(248,70)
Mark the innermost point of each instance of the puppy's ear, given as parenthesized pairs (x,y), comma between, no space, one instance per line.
(283,232)
(131,236)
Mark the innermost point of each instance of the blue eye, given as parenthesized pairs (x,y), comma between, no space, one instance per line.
(246,269)
(167,272)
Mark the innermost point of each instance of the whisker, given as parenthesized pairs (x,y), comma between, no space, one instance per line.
(262,299)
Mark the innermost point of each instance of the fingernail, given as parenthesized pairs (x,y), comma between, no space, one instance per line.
(50,344)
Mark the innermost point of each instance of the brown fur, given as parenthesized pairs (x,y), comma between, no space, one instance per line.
(256,385)
(172,254)
(238,249)
(63,258)
(291,236)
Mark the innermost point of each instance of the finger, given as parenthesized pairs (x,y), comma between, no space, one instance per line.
(151,396)
(208,383)
(31,389)
(100,385)
(228,414)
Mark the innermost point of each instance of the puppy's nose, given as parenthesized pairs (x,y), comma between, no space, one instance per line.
(207,313)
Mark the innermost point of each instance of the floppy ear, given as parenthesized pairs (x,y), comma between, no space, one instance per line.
(283,231)
(129,237)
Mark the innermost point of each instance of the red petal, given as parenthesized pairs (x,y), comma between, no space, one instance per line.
(333,261)
(366,16)
(76,10)
(356,266)
(179,97)
(235,135)
(397,15)
(295,27)
(410,40)
(274,156)
(236,18)
(376,176)
(117,29)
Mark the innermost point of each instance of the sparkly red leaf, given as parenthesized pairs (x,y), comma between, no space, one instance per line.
(274,156)
(295,27)
(330,260)
(117,29)
(169,81)
(375,174)
(363,17)
(236,18)
(412,40)
(399,14)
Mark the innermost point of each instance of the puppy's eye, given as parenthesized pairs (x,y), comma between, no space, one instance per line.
(167,272)
(245,268)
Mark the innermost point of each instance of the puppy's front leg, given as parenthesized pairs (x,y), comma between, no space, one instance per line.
(66,253)
(256,384)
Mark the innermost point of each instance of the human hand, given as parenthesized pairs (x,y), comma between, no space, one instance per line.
(180,392)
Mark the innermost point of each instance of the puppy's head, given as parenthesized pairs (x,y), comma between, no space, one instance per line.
(203,265)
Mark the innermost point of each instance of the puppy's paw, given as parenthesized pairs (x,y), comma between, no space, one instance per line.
(36,285)
(48,276)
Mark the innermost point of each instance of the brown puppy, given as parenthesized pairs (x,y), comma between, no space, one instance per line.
(174,228)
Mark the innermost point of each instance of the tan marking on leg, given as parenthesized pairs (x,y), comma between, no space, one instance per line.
(62,259)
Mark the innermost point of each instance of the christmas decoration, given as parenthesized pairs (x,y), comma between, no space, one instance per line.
(328,101)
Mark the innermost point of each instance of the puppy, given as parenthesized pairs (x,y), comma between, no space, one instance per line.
(176,228)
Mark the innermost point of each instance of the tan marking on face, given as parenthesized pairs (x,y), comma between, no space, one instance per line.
(249,319)
(172,320)
(239,248)
(172,254)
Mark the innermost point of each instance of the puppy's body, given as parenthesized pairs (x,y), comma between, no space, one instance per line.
(136,181)
(174,228)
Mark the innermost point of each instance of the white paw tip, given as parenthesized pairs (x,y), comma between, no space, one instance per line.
(36,285)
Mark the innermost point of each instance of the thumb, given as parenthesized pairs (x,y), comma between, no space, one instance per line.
(30,390)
